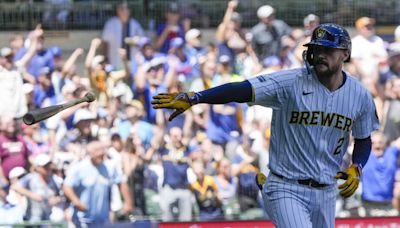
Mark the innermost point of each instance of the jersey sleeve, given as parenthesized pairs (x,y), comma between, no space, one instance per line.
(367,121)
(271,90)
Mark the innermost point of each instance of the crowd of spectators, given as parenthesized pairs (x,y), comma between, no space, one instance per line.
(118,159)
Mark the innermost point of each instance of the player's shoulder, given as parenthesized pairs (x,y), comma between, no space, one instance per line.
(291,74)
(356,85)
(353,81)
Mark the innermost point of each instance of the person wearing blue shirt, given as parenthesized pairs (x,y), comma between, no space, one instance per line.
(194,50)
(243,166)
(175,161)
(88,186)
(43,58)
(224,125)
(44,90)
(148,82)
(378,177)
(9,213)
(133,122)
(119,29)
(145,54)
(170,29)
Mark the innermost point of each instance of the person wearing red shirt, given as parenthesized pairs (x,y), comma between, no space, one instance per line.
(13,149)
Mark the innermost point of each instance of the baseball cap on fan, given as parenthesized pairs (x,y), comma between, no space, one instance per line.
(177,42)
(265,11)
(5,52)
(56,51)
(16,172)
(192,33)
(136,104)
(144,41)
(42,160)
(224,59)
(82,114)
(310,18)
(44,71)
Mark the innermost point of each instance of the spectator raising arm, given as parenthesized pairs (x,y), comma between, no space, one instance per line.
(163,37)
(26,58)
(140,77)
(222,28)
(71,61)
(96,42)
(155,144)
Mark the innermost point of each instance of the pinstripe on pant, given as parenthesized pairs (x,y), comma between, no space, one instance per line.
(290,204)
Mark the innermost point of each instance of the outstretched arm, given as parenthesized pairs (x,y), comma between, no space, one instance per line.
(71,61)
(222,28)
(230,92)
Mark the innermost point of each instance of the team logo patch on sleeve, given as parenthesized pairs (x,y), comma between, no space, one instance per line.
(261,78)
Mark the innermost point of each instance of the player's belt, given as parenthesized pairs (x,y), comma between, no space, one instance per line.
(308,182)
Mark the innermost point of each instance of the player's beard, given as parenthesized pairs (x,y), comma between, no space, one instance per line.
(326,70)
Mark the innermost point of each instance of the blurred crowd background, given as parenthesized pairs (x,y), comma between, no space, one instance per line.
(117,159)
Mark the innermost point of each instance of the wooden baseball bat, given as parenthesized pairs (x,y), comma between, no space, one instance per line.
(40,114)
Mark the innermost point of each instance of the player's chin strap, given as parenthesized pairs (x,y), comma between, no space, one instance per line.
(308,66)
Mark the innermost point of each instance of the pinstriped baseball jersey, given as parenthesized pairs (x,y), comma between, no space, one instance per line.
(311,125)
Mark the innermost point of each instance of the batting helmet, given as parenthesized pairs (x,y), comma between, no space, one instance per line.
(330,35)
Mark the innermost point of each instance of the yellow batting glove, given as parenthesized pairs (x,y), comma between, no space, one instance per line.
(260,180)
(352,176)
(178,101)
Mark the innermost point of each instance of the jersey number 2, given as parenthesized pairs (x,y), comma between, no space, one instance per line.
(339,146)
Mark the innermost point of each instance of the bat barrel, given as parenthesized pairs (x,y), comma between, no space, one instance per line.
(37,115)
(29,119)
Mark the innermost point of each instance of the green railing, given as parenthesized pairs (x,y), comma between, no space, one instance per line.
(36,224)
(204,13)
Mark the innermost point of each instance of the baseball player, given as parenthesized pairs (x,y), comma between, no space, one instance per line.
(315,109)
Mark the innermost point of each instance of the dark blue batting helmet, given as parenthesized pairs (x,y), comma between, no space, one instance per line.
(331,35)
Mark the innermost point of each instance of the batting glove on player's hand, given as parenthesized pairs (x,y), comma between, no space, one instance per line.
(260,180)
(352,177)
(178,101)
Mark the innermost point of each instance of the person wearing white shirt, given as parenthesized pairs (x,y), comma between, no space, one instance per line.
(117,30)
